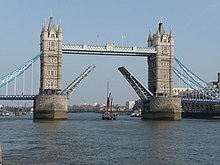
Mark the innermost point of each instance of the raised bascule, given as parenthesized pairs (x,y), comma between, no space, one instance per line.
(158,100)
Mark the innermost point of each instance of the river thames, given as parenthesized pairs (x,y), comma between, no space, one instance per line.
(85,139)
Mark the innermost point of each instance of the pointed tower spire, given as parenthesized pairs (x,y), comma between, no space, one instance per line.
(149,40)
(158,33)
(161,21)
(149,37)
(161,28)
(44,27)
(171,32)
(51,25)
(44,31)
(60,30)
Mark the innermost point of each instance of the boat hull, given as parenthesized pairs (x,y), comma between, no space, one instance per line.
(108,117)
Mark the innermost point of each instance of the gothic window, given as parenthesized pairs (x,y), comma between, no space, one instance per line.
(165,48)
(52,72)
(48,84)
(52,45)
(52,60)
(52,84)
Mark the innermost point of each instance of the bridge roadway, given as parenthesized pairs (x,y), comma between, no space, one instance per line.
(189,100)
(108,49)
(32,97)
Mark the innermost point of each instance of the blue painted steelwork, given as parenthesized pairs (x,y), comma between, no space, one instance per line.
(192,84)
(11,76)
(197,83)
(187,100)
(17,97)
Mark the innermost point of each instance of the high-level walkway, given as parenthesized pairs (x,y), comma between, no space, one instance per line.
(109,49)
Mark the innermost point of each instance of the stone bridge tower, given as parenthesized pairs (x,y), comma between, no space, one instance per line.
(49,104)
(163,105)
(160,67)
(51,58)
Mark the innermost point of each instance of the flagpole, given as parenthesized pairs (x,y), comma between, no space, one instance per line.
(122,40)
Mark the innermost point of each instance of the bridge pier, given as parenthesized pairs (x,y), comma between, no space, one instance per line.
(50,107)
(162,108)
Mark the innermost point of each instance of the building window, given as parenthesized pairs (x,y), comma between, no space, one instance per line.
(48,84)
(51,84)
(52,60)
(52,45)
(165,50)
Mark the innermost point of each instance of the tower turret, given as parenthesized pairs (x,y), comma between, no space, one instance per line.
(171,37)
(161,28)
(150,40)
(43,36)
(51,58)
(160,66)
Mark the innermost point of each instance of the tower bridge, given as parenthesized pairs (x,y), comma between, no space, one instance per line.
(51,104)
(158,100)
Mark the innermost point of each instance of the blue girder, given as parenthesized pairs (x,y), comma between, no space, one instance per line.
(196,82)
(14,74)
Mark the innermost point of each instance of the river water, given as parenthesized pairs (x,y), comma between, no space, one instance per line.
(85,139)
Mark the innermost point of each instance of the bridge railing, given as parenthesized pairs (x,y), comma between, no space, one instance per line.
(17,97)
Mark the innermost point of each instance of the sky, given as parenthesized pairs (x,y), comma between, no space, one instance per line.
(195,25)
